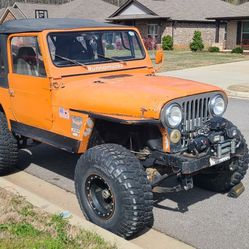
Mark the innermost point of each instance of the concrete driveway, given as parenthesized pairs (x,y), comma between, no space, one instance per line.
(232,77)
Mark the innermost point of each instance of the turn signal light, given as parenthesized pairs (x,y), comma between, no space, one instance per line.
(175,136)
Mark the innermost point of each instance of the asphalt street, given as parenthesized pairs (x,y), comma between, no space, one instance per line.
(201,218)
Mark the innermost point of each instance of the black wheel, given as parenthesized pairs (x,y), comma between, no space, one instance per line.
(113,190)
(222,177)
(8,147)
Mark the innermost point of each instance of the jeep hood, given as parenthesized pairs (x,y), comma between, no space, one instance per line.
(126,95)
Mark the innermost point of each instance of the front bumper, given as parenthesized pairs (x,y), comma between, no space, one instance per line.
(185,164)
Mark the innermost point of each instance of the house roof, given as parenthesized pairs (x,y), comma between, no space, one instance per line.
(2,11)
(239,12)
(94,9)
(14,11)
(180,10)
(36,25)
(28,9)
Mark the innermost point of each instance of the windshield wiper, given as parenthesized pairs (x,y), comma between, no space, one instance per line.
(112,59)
(72,61)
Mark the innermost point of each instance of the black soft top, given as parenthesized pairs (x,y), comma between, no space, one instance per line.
(36,25)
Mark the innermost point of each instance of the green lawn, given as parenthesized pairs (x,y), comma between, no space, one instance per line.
(23,226)
(175,60)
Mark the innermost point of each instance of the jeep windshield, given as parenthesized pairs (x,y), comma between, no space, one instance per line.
(88,47)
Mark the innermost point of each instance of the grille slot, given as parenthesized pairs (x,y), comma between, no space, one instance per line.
(195,112)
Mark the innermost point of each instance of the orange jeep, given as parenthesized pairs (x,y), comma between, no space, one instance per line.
(90,88)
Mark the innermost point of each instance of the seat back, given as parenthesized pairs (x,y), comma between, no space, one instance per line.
(26,61)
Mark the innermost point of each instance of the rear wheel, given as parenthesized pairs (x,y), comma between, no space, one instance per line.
(8,147)
(223,177)
(113,190)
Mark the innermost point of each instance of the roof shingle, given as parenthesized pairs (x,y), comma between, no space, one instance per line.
(240,11)
(188,10)
(2,11)
(94,9)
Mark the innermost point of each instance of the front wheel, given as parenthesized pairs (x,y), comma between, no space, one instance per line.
(8,147)
(222,177)
(113,190)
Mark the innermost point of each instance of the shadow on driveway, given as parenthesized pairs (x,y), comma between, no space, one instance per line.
(50,158)
(183,199)
(57,167)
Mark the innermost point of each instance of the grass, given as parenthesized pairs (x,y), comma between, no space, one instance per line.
(176,60)
(23,226)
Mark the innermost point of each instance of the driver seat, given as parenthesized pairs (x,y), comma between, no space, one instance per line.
(26,62)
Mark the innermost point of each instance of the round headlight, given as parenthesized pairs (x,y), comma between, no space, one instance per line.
(172,116)
(217,105)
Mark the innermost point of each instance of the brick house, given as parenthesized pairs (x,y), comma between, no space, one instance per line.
(178,18)
(237,32)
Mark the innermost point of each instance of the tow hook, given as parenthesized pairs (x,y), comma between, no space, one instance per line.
(187,182)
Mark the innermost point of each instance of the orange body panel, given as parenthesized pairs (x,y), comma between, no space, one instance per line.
(31,100)
(137,95)
(5,103)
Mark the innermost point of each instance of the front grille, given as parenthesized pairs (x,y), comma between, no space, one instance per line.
(195,111)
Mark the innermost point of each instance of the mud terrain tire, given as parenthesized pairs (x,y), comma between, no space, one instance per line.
(127,209)
(8,147)
(223,177)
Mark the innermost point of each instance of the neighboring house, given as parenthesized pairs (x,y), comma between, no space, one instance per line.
(237,32)
(222,24)
(177,18)
(94,9)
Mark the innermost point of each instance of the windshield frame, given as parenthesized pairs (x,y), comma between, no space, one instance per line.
(139,40)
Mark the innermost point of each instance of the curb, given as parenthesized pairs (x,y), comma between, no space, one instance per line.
(54,199)
(237,94)
(74,220)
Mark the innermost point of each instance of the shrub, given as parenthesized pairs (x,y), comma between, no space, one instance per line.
(167,43)
(197,43)
(149,43)
(238,50)
(214,50)
(110,47)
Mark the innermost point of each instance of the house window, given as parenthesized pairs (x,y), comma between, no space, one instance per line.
(41,14)
(153,30)
(245,33)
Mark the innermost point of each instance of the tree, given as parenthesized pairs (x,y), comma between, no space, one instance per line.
(197,43)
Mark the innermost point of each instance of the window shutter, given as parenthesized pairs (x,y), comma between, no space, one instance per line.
(217,31)
(239,25)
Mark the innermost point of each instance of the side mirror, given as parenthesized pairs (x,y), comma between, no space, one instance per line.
(159,56)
